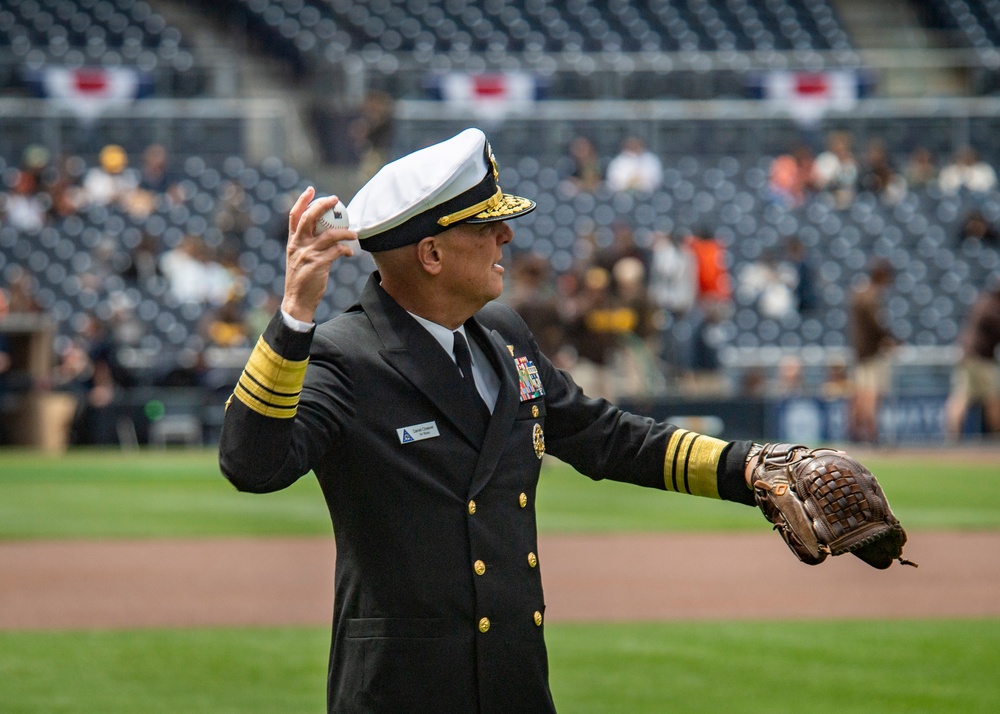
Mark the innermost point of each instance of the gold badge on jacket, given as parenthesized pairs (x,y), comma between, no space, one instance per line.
(538,440)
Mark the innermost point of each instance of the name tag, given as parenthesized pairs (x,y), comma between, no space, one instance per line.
(418,432)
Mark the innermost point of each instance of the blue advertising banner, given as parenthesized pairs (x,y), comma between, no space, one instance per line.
(901,420)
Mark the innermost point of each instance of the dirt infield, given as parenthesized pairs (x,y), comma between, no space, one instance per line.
(241,582)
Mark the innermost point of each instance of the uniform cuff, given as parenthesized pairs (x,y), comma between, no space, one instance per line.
(287,341)
(295,324)
(731,479)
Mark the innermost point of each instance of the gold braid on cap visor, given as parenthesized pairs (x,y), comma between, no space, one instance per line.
(489,204)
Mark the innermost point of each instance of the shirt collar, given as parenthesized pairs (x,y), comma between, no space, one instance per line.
(441,333)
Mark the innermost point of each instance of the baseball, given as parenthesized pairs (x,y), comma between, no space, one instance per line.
(336,217)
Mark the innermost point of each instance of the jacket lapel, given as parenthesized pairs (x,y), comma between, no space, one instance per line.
(415,354)
(504,411)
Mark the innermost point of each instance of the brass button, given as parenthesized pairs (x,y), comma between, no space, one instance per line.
(538,618)
(532,560)
(523,500)
(484,624)
(480,567)
(472,507)
(534,410)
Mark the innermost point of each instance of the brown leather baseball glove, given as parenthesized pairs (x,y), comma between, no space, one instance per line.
(824,502)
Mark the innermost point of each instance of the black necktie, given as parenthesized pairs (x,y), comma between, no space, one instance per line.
(464,359)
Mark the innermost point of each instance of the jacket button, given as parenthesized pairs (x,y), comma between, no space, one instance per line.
(523,500)
(472,507)
(538,618)
(484,624)
(534,411)
(479,566)
(532,560)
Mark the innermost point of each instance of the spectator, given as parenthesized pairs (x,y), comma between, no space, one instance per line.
(921,171)
(791,177)
(712,305)
(806,298)
(226,326)
(156,181)
(535,299)
(623,245)
(124,326)
(594,332)
(635,168)
(714,283)
(836,170)
(89,368)
(673,280)
(584,166)
(790,378)
(233,216)
(837,383)
(976,378)
(770,283)
(111,181)
(967,172)
(25,206)
(143,264)
(21,286)
(673,287)
(185,272)
(753,382)
(372,133)
(156,175)
(976,229)
(879,177)
(63,186)
(637,371)
(872,340)
(194,275)
(35,161)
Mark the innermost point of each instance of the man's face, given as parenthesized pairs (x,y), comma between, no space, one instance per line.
(471,269)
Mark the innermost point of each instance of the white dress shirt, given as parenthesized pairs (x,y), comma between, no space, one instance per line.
(487,381)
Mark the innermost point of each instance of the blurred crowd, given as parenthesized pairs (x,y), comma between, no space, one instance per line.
(201,277)
(637,315)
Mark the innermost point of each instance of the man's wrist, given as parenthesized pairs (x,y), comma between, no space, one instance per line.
(294,323)
(751,462)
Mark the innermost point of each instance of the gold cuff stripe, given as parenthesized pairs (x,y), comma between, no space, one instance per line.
(252,402)
(253,375)
(703,466)
(270,384)
(489,203)
(274,372)
(266,395)
(679,444)
(691,463)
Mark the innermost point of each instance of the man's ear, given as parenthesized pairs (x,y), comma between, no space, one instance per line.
(429,255)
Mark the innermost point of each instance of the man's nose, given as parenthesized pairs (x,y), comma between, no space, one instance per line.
(505,234)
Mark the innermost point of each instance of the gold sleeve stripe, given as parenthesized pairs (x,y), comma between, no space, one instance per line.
(274,372)
(266,395)
(675,447)
(691,463)
(702,467)
(262,408)
(270,384)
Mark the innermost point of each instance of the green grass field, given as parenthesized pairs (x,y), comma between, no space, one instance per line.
(820,668)
(91,494)
(835,667)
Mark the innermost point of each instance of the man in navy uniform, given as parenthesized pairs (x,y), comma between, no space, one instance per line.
(424,411)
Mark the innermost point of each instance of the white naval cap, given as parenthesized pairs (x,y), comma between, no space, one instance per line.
(430,191)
